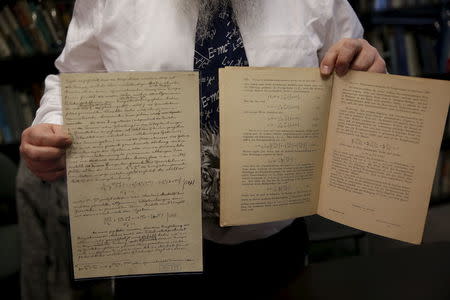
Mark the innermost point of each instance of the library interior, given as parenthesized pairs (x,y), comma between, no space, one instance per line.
(413,37)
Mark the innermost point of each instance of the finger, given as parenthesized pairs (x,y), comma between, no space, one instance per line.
(47,166)
(379,66)
(347,52)
(62,132)
(41,153)
(340,55)
(328,61)
(51,176)
(364,60)
(47,135)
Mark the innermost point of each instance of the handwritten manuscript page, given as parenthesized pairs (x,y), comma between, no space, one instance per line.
(133,173)
(272,126)
(382,147)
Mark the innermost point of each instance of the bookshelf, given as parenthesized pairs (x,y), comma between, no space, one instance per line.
(414,38)
(32,34)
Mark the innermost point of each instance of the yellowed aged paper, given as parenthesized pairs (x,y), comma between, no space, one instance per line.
(133,172)
(272,128)
(382,147)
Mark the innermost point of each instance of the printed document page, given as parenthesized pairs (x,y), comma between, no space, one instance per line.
(272,128)
(382,147)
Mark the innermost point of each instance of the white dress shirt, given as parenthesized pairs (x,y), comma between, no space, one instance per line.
(156,35)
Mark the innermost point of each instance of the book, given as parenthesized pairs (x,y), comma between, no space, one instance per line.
(14,115)
(5,50)
(401,54)
(133,172)
(427,53)
(360,149)
(412,55)
(57,41)
(394,60)
(20,32)
(41,24)
(56,20)
(380,5)
(28,21)
(11,34)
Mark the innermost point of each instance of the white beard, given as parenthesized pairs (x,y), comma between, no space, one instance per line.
(244,11)
(207,9)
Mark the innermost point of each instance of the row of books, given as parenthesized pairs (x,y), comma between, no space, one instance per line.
(409,52)
(33,27)
(380,5)
(17,110)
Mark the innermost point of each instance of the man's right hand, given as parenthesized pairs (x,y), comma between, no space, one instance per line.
(43,148)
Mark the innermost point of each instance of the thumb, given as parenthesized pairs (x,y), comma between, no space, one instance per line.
(48,135)
(61,135)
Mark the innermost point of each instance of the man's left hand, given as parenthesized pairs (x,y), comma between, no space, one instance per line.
(352,54)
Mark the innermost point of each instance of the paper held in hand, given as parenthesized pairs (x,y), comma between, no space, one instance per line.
(360,149)
(133,173)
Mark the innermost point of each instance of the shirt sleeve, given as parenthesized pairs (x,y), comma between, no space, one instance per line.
(338,21)
(80,54)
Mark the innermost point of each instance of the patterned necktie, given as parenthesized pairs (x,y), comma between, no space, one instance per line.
(222,46)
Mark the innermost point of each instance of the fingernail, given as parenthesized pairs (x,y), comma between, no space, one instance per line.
(326,70)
